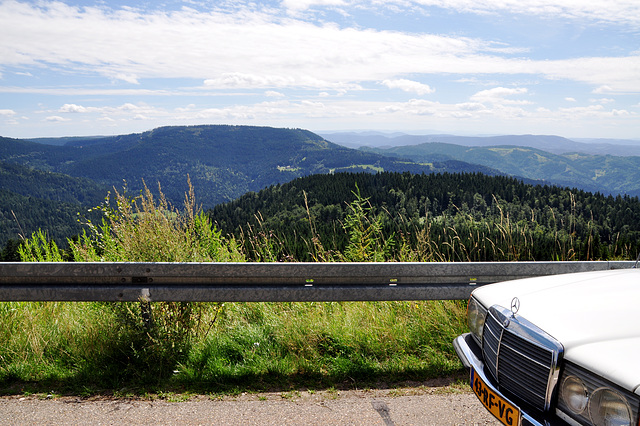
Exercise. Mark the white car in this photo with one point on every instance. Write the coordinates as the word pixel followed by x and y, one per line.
pixel 557 349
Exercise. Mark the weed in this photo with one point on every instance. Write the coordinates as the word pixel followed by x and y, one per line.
pixel 332 393
pixel 293 394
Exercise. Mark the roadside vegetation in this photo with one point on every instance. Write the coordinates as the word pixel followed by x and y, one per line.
pixel 139 348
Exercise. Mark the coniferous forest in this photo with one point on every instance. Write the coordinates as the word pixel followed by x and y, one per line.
pixel 421 217
pixel 447 217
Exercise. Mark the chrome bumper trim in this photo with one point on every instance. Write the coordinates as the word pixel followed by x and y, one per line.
pixel 470 355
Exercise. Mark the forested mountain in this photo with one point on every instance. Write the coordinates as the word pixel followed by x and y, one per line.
pixel 476 216
pixel 597 173
pixel 45 184
pixel 223 162
pixel 33 199
pixel 20 216
pixel 50 186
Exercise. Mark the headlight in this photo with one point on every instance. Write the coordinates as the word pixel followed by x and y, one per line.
pixel 574 393
pixel 476 314
pixel 589 398
pixel 608 407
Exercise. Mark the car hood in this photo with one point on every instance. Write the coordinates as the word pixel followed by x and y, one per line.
pixel 595 315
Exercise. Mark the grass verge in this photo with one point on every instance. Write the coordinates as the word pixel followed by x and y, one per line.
pixel 74 348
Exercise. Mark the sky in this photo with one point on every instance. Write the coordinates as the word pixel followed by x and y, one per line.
pixel 468 67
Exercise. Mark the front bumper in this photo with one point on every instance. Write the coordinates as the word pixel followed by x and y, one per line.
pixel 471 356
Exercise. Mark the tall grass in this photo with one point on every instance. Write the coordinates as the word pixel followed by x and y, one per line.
pixel 211 347
pixel 141 342
pixel 41 340
pixel 321 344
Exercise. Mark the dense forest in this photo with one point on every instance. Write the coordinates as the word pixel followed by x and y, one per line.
pixel 462 217
pixel 32 199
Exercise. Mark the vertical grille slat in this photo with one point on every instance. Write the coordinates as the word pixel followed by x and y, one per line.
pixel 521 358
pixel 491 335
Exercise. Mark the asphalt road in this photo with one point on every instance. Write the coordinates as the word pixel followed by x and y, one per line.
pixel 420 405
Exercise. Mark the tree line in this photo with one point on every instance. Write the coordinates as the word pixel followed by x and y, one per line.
pixel 466 216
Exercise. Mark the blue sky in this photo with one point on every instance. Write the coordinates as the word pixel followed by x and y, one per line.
pixel 564 67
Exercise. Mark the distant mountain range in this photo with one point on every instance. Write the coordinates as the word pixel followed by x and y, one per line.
pixel 51 179
pixel 606 174
pixel 552 144
pixel 223 163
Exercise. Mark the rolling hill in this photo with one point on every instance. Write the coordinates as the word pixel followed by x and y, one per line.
pixel 449 208
pixel 596 173
pixel 222 162
pixel 46 184
pixel 549 143
pixel 31 199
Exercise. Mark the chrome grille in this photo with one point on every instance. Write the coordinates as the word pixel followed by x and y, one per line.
pixel 522 359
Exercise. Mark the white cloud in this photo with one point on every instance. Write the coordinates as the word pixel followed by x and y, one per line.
pixel 188 108
pixel 127 111
pixel 241 80
pixel 224 55
pixel 620 112
pixel 129 107
pixel 55 118
pixel 129 78
pixel 409 86
pixel 75 91
pixel 498 95
pixel 297 5
pixel 73 108
pixel 608 74
pixel 626 12
pixel 238 80
pixel 471 106
pixel 603 89
pixel 274 94
pixel 312 104
pixel 591 110
pixel 225 50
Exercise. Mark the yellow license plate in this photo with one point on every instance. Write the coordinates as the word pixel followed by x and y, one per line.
pixel 504 411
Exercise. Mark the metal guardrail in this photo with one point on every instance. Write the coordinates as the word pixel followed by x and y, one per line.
pixel 266 282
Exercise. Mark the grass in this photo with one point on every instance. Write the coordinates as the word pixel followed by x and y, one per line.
pixel 74 348
pixel 320 344
pixel 172 350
